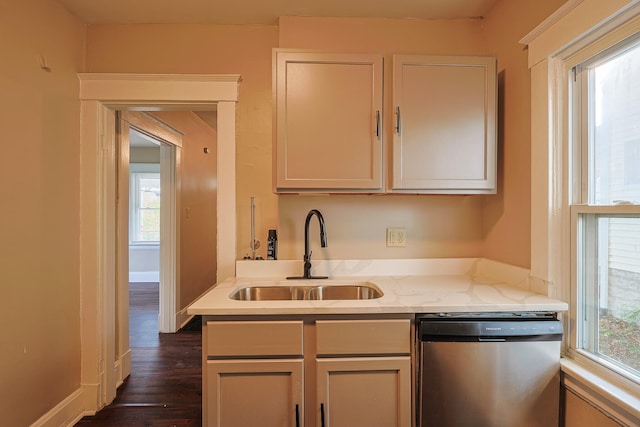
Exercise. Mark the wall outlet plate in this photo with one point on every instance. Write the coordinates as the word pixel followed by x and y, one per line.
pixel 396 237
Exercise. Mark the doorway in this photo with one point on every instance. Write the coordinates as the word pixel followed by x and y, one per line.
pixel 101 95
pixel 144 207
pixel 179 147
pixel 144 144
pixel 144 204
pixel 147 159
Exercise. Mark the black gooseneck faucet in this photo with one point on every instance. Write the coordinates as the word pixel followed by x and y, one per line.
pixel 307 251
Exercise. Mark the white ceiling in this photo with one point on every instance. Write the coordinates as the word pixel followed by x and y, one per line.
pixel 266 12
pixel 139 139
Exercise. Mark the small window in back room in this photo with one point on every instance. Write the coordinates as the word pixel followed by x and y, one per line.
pixel 144 205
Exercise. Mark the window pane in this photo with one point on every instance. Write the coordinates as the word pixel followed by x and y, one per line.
pixel 611 291
pixel 615 149
pixel 145 204
pixel 149 225
pixel 150 193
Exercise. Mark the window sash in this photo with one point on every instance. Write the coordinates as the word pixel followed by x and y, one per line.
pixel 590 266
pixel 135 208
pixel 591 269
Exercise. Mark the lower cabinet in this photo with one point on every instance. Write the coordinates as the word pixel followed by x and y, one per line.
pixel 363 372
pixel 310 372
pixel 364 391
pixel 255 392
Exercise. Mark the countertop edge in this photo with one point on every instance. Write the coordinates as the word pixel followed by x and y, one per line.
pixel 467 285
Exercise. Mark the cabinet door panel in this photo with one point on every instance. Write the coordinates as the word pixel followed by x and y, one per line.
pixel 249 393
pixel 444 136
pixel 365 392
pixel 328 124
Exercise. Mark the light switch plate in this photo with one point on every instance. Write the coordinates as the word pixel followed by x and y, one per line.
pixel 396 237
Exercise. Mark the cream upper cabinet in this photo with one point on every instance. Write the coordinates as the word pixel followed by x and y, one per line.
pixel 327 122
pixel 444 124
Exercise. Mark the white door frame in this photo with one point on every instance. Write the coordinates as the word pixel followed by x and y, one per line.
pixel 100 96
pixel 169 233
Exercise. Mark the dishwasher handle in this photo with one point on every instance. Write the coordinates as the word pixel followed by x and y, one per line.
pixel 474 331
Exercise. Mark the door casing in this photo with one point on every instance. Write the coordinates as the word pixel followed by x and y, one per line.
pixel 101 95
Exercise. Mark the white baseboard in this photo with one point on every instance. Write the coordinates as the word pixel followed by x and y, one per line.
pixel 66 413
pixel 123 367
pixel 144 276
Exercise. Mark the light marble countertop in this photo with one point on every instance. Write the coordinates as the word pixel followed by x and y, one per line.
pixel 408 286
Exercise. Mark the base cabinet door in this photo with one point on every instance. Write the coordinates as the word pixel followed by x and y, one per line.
pixel 364 392
pixel 249 393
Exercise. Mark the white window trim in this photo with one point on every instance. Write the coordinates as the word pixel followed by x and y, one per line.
pixel 568 39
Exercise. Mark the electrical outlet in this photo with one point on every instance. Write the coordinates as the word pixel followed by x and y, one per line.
pixel 396 237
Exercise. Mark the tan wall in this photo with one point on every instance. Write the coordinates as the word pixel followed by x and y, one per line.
pixel 507 215
pixel 437 226
pixel 210 49
pixel 580 413
pixel 450 37
pixel 198 187
pixel 39 218
pixel 497 227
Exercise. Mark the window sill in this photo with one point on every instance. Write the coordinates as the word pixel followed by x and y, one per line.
pixel 618 401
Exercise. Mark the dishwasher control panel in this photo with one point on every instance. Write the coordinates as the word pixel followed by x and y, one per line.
pixel 538 327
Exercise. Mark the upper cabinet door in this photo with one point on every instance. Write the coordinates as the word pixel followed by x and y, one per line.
pixel 328 122
pixel 444 135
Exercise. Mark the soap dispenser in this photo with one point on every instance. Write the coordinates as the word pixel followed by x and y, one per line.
pixel 272 245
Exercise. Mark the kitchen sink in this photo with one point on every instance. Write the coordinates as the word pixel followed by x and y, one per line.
pixel 269 293
pixel 340 292
pixel 336 291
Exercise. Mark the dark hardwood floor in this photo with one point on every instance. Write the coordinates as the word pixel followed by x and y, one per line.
pixel 164 388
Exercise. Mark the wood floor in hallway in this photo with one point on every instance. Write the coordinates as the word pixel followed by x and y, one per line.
pixel 164 388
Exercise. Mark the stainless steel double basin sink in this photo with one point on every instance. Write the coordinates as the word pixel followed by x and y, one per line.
pixel 283 291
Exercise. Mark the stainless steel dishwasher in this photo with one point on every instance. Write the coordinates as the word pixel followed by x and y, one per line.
pixel 489 369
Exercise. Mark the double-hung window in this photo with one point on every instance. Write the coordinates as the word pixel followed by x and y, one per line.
pixel 144 203
pixel 605 206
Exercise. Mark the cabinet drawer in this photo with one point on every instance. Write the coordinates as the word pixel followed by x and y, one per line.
pixel 278 338
pixel 334 337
